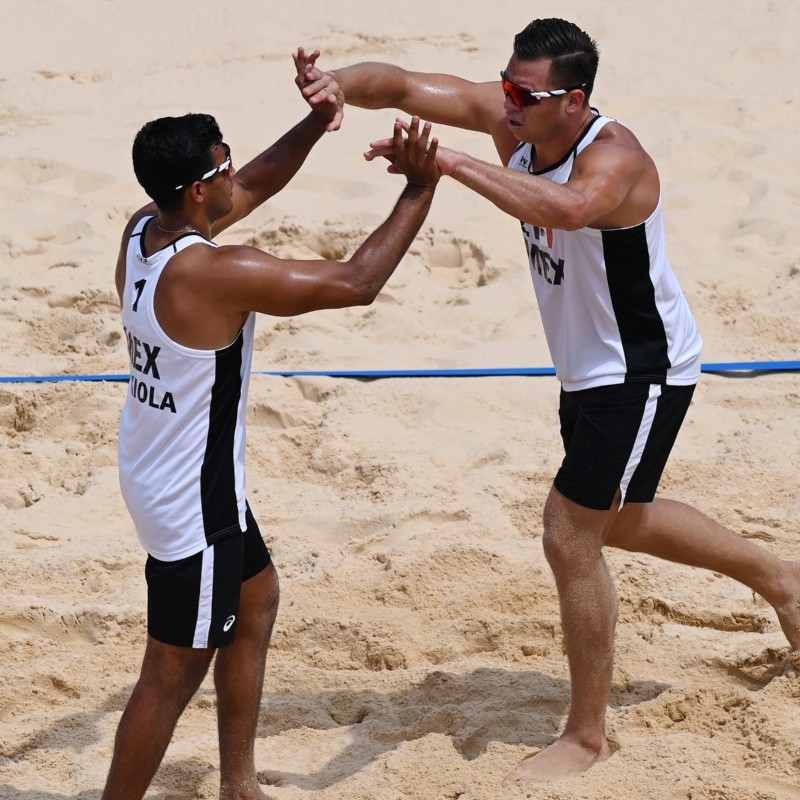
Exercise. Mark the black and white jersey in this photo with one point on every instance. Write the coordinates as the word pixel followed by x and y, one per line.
pixel 611 306
pixel 182 431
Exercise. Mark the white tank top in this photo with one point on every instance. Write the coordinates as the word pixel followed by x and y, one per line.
pixel 611 306
pixel 182 432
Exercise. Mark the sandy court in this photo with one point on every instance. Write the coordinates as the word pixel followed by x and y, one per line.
pixel 417 652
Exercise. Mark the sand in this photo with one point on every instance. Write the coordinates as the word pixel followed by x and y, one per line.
pixel 417 652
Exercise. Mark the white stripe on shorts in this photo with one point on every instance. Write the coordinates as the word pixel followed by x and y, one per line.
pixel 203 627
pixel 641 439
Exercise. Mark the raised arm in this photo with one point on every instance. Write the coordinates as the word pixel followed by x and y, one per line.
pixel 438 97
pixel 224 284
pixel 268 173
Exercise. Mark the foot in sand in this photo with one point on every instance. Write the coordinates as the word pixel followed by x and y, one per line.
pixel 563 759
pixel 244 793
pixel 788 611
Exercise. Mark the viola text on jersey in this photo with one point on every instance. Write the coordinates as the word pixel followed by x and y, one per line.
pixel 144 359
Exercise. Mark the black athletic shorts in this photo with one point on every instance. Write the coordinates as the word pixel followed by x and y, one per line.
pixel 194 602
pixel 618 438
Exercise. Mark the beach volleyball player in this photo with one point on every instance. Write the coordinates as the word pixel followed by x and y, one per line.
pixel 188 312
pixel 620 332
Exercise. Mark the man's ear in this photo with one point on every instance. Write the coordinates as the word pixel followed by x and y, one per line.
pixel 196 193
pixel 576 100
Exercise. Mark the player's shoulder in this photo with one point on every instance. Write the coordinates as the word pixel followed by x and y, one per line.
pixel 615 133
pixel 224 262
pixel 614 146
pixel 146 211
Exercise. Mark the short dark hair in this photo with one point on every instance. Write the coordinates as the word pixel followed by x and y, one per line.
pixel 171 151
pixel 573 52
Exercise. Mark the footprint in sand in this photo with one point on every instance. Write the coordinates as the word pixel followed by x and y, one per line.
pixel 16 413
pixel 457 263
pixel 756 671
pixel 287 240
pixel 62 323
pixel 450 260
pixel 343 644
pixel 751 621
pixel 64 624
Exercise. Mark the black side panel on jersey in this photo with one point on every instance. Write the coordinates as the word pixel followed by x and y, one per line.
pixel 217 475
pixel 641 329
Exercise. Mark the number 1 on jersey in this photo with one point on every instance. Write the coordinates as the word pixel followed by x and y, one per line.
pixel 139 286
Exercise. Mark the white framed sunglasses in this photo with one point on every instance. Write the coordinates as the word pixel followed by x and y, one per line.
pixel 223 167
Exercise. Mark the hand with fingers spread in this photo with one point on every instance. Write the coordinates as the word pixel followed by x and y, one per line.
pixel 411 152
pixel 319 89
pixel 387 148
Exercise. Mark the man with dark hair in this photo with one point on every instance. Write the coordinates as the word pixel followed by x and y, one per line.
pixel 167 149
pixel 621 335
pixel 187 309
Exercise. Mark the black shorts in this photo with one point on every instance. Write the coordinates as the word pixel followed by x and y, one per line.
pixel 194 602
pixel 618 438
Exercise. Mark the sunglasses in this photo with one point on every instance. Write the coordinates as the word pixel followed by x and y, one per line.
pixel 223 167
pixel 525 97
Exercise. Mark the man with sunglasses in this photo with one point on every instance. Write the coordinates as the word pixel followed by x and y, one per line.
pixel 188 313
pixel 622 338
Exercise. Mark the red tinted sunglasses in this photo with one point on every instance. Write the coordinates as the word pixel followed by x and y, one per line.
pixel 525 97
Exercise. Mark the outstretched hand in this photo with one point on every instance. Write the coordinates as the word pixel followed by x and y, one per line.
pixel 319 89
pixel 410 152
pixel 395 149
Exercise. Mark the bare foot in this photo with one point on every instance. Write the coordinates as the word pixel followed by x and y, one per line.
pixel 252 791
pixel 789 612
pixel 563 759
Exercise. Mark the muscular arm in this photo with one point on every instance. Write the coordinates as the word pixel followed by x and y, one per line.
pixel 614 183
pixel 255 281
pixel 440 98
pixel 221 286
pixel 598 193
pixel 446 99
pixel 250 279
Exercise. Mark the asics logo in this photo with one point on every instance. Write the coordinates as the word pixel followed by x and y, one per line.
pixel 229 622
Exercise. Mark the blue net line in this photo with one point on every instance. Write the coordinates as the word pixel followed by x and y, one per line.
pixel 741 368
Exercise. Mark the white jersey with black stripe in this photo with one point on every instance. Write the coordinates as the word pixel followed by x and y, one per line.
pixel 182 430
pixel 611 306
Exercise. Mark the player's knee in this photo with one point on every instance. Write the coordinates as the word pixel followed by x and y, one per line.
pixel 569 537
pixel 558 540
pixel 558 548
pixel 174 674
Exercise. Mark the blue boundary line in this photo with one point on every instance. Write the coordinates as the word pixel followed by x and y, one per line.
pixel 723 367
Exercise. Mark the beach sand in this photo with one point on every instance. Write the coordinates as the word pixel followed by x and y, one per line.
pixel 417 652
